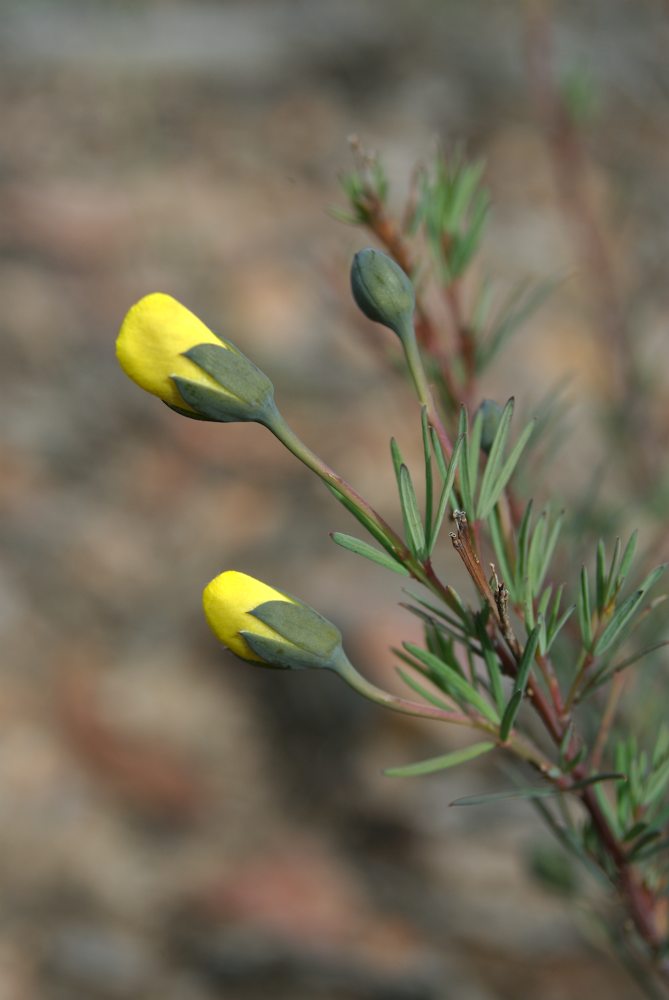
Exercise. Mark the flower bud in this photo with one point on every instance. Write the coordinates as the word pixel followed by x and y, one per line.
pixel 382 290
pixel 169 352
pixel 265 626
pixel 490 413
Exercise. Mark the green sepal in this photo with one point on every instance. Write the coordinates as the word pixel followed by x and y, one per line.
pixel 247 392
pixel 212 404
pixel 382 291
pixel 188 413
pixel 309 633
pixel 283 655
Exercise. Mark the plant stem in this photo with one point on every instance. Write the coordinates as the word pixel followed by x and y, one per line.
pixel 287 436
pixel 423 391
pixel 347 672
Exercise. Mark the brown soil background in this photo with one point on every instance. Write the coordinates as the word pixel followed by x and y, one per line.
pixel 174 824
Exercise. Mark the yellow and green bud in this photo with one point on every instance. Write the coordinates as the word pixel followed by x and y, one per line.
pixel 266 626
pixel 382 290
pixel 169 352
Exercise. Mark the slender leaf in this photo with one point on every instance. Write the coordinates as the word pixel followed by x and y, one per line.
pixel 649 852
pixel 607 671
pixel 506 472
pixel 495 526
pixel 467 480
pixel 440 763
pixel 448 480
pixel 624 614
pixel 549 549
pixel 524 667
pixel 537 792
pixel 364 520
pixel 424 693
pixel 438 453
pixel 584 613
pixel 429 488
pixel 396 456
pixel 626 560
pixel 455 681
pixel 368 552
pixel 600 576
pixel 413 526
pixel 495 461
pixel 522 302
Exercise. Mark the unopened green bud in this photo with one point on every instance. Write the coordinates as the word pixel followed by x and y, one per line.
pixel 490 412
pixel 382 290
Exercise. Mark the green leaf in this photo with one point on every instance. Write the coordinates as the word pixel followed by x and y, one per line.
pixel 549 549
pixel 439 618
pixel 467 474
pixel 650 851
pixel 584 613
pixel 524 667
pixel 448 480
pixel 364 520
pixel 492 664
pixel 424 693
pixel 554 630
pixel 657 784
pixel 610 583
pixel 429 488
pixel 519 306
pixel 626 560
pixel 438 453
pixel 507 471
pixel 495 526
pixel 457 683
pixel 606 672
pixel 398 461
pixel 624 614
pixel 537 792
pixel 413 526
pixel 600 576
pixel 368 552
pixel 495 458
pixel 522 550
pixel 440 763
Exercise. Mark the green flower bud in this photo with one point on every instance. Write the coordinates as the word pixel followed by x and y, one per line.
pixel 382 290
pixel 490 413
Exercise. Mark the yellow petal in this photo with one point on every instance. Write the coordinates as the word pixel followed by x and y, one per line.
pixel 227 601
pixel 154 334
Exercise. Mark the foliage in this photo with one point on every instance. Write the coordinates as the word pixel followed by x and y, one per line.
pixel 533 663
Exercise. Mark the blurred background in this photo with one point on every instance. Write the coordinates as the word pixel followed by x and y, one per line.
pixel 173 823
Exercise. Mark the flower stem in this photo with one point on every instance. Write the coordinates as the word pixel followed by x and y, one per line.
pixel 423 391
pixel 287 436
pixel 396 703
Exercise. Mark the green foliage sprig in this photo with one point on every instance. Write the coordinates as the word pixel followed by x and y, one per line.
pixel 532 660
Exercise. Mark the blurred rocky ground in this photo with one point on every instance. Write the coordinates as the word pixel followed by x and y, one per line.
pixel 174 824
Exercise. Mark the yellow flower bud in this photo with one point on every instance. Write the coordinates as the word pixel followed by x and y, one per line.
pixel 227 601
pixel 264 625
pixel 169 352
pixel 155 334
